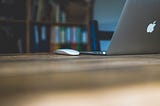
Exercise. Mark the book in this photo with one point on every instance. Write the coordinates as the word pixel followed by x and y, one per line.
pixel 78 38
pixel 55 38
pixel 57 11
pixel 93 27
pixel 40 10
pixel 39 38
pixel 84 39
pixel 62 37
pixel 73 38
pixel 69 37
pixel 63 17
pixel 34 9
pixel 52 11
pixel 34 39
pixel 44 47
pixel 20 46
pixel 60 15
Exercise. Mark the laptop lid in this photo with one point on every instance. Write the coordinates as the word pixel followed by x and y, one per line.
pixel 138 29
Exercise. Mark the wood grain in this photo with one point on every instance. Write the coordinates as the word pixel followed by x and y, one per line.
pixel 22 75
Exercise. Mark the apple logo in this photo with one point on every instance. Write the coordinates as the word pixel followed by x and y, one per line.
pixel 151 26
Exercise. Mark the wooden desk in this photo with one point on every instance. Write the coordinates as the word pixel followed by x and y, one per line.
pixel 56 80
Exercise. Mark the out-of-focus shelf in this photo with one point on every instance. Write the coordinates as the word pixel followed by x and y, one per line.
pixel 42 22
pixel 58 24
pixel 12 21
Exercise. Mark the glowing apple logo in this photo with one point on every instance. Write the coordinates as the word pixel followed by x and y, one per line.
pixel 151 26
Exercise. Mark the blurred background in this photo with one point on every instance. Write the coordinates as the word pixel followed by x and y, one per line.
pixel 34 26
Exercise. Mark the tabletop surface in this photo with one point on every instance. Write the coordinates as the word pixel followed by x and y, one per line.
pixel 57 78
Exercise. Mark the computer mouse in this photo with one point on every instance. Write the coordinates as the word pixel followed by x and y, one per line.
pixel 67 52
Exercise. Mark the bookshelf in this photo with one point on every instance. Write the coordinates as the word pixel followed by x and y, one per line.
pixel 45 25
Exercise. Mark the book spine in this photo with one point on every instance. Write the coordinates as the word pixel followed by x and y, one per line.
pixel 63 37
pixel 78 38
pixel 35 39
pixel 84 40
pixel 63 17
pixel 57 13
pixel 93 35
pixel 55 38
pixel 33 10
pixel 53 11
pixel 20 47
pixel 73 38
pixel 43 39
pixel 68 37
pixel 40 11
pixel 52 34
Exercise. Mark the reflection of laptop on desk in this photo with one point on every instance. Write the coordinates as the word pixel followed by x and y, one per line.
pixel 138 30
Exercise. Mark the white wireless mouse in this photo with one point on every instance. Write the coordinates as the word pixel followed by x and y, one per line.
pixel 67 52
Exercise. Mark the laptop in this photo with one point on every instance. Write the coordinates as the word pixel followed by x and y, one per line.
pixel 138 30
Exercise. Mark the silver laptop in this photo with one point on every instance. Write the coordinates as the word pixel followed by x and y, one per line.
pixel 138 29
